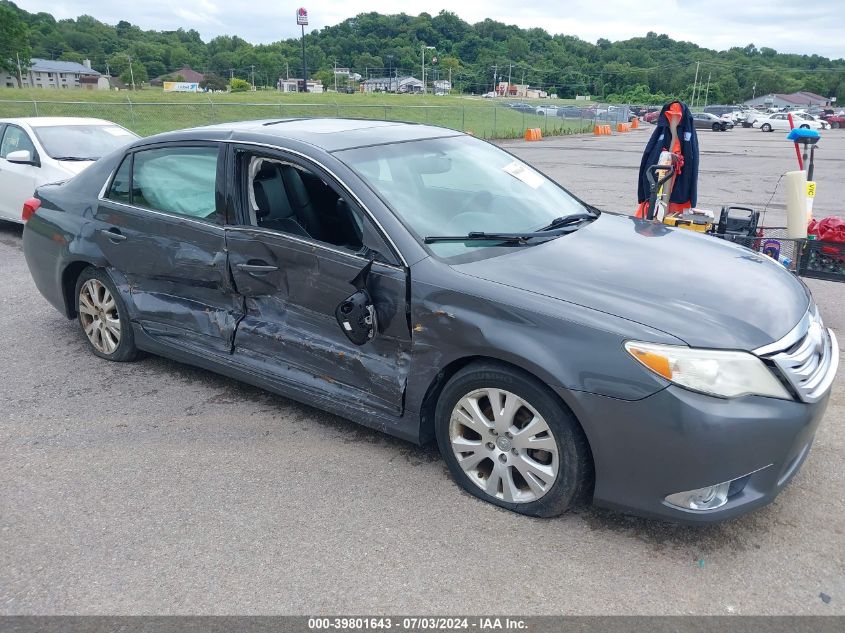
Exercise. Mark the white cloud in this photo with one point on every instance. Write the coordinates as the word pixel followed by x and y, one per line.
pixel 784 25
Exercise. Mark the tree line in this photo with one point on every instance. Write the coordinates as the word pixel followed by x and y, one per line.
pixel 642 69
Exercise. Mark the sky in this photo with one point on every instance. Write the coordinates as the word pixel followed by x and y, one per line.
pixel 788 26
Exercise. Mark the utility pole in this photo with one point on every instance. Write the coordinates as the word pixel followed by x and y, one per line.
pixel 252 74
pixel 335 75
pixel 450 79
pixel 131 72
pixel 231 73
pixel 753 91
pixel 422 51
pixel 510 68
pixel 707 90
pixel 304 67
pixel 495 78
pixel 287 70
pixel 108 72
pixel 694 83
pixel 20 75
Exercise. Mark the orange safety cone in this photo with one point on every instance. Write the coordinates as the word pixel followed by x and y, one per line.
pixel 598 131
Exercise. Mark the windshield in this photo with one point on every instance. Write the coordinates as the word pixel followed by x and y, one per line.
pixel 82 142
pixel 459 185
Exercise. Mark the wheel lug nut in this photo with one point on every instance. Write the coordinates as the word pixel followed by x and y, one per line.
pixel 503 458
pixel 493 432
pixel 490 445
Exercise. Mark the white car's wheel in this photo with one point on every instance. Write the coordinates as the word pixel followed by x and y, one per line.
pixel 766 127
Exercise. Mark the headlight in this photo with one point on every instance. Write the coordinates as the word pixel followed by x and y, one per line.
pixel 716 372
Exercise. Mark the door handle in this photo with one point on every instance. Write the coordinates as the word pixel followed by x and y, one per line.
pixel 113 234
pixel 257 268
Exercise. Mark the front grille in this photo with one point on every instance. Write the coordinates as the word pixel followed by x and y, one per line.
pixel 808 358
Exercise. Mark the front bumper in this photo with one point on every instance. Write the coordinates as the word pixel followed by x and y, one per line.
pixel 677 440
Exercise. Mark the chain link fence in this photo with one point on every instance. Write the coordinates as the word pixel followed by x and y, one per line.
pixel 500 119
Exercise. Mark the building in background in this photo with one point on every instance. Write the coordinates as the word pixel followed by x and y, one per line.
pixel 292 85
pixel 392 84
pixel 792 100
pixel 442 86
pixel 47 73
pixel 186 73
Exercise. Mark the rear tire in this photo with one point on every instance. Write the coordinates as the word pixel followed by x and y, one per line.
pixel 805 127
pixel 716 127
pixel 766 127
pixel 102 317
pixel 523 450
pixel 835 125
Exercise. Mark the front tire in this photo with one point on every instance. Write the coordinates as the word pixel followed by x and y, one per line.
pixel 509 441
pixel 716 127
pixel 103 317
pixel 805 127
pixel 766 127
pixel 835 125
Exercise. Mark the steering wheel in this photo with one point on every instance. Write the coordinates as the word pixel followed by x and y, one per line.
pixel 474 207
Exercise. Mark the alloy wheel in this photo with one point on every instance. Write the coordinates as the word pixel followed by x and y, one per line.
pixel 99 317
pixel 504 445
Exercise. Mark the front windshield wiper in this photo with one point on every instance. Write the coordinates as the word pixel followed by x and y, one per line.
pixel 514 238
pixel 75 157
pixel 568 219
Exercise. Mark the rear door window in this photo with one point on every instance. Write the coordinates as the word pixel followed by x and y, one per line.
pixel 178 180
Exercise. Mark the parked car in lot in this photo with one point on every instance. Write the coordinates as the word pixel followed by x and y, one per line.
pixel 430 285
pixel 573 112
pixel 780 121
pixel 836 120
pixel 546 110
pixel 708 121
pixel 520 107
pixel 34 151
pixel 722 111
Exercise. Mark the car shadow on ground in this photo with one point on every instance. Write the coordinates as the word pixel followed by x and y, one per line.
pixel 11 233
pixel 699 540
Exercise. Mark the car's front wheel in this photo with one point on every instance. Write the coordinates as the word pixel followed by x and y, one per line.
pixel 766 127
pixel 506 439
pixel 835 125
pixel 102 317
pixel 716 127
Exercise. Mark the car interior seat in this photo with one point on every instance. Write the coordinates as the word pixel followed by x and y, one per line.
pixel 274 208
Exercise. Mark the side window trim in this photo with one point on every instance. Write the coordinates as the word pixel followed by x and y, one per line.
pixel 241 213
pixel 219 184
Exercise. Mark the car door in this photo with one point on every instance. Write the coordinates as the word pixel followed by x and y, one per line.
pixel 294 271
pixel 17 180
pixel 161 226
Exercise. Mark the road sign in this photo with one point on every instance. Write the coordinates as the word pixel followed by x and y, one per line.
pixel 302 16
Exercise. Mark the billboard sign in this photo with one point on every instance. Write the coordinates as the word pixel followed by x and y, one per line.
pixel 302 16
pixel 181 86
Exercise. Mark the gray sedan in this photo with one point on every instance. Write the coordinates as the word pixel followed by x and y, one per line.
pixel 431 285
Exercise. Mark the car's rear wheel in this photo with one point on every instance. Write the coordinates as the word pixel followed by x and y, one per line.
pixel 766 127
pixel 507 440
pixel 835 125
pixel 102 317
pixel 805 127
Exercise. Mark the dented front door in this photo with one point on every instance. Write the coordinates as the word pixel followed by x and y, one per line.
pixel 291 290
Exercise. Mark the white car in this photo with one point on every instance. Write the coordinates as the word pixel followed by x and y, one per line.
pixel 39 150
pixel 780 121
pixel 547 110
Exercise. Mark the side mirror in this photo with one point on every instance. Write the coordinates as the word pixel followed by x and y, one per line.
pixel 22 157
pixel 357 317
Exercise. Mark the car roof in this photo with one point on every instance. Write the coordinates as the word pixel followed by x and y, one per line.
pixel 329 134
pixel 52 121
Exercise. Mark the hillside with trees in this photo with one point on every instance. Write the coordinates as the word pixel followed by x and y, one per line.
pixel 642 69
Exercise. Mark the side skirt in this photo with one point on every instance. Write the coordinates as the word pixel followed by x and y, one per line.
pixel 406 427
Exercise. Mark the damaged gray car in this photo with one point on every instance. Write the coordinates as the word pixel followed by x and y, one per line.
pixel 431 285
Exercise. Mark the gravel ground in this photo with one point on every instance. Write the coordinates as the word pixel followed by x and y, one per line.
pixel 154 487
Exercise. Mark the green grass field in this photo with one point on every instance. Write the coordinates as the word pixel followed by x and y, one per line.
pixel 150 111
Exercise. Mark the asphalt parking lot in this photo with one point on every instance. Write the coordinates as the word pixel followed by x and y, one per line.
pixel 158 488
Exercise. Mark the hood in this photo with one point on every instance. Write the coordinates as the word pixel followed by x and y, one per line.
pixel 700 289
pixel 73 167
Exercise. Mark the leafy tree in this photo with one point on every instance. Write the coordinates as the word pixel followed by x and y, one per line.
pixel 13 40
pixel 239 85
pixel 213 82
